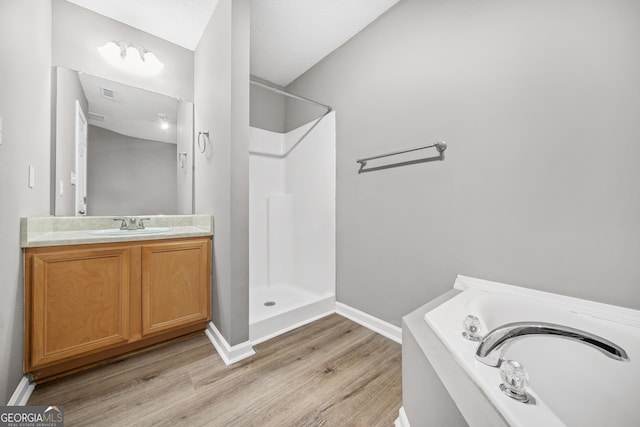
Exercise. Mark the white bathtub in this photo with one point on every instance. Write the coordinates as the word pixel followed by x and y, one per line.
pixel 571 384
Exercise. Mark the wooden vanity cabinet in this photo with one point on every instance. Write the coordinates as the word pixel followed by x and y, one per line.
pixel 85 304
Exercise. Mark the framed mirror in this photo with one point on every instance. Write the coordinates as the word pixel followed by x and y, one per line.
pixel 119 150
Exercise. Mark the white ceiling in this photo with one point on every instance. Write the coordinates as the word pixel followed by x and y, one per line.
pixel 179 21
pixel 132 111
pixel 288 37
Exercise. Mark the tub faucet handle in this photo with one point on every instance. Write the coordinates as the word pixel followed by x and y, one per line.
pixel 472 328
pixel 514 380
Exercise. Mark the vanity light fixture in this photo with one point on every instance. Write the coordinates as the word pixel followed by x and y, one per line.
pixel 130 57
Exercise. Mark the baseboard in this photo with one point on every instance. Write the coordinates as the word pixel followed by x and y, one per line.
pixel 402 420
pixel 291 328
pixel 385 329
pixel 23 391
pixel 228 354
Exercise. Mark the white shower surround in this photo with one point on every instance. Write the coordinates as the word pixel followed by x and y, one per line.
pixel 291 227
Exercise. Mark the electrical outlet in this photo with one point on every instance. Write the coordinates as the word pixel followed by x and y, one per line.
pixel 61 187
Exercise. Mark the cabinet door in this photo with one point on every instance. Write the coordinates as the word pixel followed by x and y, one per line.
pixel 80 302
pixel 175 284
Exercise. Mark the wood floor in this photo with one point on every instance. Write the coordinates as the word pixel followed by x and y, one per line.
pixel 332 372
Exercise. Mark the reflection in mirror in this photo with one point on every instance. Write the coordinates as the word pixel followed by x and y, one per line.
pixel 120 150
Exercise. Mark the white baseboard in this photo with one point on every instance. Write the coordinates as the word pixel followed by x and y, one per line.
pixel 228 354
pixel 290 328
pixel 385 329
pixel 232 354
pixel 402 420
pixel 23 391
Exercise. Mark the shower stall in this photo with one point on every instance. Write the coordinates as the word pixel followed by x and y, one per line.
pixel 292 228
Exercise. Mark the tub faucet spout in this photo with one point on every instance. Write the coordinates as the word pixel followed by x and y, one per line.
pixel 495 343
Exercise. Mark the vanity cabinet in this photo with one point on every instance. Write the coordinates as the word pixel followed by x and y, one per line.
pixel 85 304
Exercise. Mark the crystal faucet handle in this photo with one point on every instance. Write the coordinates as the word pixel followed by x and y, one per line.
pixel 472 328
pixel 515 379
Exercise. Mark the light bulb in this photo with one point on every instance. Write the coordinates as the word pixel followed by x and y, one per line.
pixel 112 52
pixel 164 123
pixel 133 60
pixel 153 65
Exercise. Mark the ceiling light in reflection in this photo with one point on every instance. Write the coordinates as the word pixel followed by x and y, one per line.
pixel 164 123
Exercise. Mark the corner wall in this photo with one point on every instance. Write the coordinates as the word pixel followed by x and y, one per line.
pixel 221 88
pixel 539 103
pixel 267 109
pixel 25 108
pixel 68 90
pixel 185 145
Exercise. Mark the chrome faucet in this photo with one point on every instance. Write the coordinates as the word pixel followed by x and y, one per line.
pixel 495 343
pixel 132 223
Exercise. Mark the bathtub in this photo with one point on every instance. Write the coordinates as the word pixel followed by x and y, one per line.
pixel 571 384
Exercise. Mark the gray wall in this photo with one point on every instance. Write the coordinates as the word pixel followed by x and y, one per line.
pixel 25 106
pixel 68 90
pixel 77 33
pixel 184 174
pixel 221 65
pixel 267 108
pixel 539 101
pixel 130 176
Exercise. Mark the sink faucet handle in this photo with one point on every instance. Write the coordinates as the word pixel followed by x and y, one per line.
pixel 123 224
pixel 141 224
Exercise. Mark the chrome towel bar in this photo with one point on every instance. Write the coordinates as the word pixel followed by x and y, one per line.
pixel 440 146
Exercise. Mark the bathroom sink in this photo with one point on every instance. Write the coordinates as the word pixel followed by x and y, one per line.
pixel 118 232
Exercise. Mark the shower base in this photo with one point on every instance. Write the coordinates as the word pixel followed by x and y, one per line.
pixel 274 310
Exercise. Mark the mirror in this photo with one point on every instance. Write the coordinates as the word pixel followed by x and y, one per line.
pixel 119 150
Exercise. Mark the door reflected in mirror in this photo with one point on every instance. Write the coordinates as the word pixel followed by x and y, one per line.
pixel 119 150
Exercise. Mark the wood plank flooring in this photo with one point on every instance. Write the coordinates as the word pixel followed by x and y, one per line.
pixel 332 372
